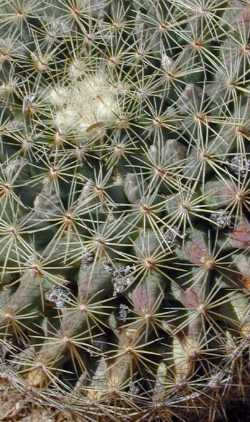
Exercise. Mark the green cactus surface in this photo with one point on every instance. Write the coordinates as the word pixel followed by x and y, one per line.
pixel 124 208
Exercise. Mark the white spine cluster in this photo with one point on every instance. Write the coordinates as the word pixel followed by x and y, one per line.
pixel 85 107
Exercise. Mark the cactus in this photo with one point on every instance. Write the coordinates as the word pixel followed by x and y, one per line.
pixel 125 206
